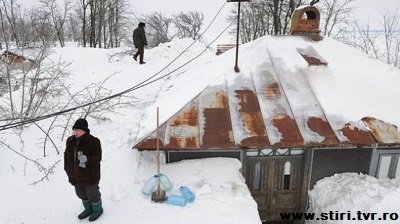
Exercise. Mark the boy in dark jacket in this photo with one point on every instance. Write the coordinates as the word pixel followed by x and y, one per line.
pixel 82 158
pixel 139 40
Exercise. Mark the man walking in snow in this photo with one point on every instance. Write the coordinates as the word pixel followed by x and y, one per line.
pixel 139 40
pixel 82 158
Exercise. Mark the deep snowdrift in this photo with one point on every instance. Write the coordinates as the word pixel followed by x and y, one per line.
pixel 221 193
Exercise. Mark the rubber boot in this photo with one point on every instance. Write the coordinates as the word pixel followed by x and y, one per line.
pixel 88 210
pixel 97 211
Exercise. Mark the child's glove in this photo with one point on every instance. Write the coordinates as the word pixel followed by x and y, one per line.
pixel 82 159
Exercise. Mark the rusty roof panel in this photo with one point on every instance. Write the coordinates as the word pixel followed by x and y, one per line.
pixel 303 103
pixel 182 143
pixel 247 119
pixel 254 142
pixel 216 127
pixel 382 132
pixel 150 143
pixel 252 119
pixel 250 111
pixel 275 109
pixel 323 128
pixel 355 136
pixel 183 129
pixel 291 136
pixel 272 90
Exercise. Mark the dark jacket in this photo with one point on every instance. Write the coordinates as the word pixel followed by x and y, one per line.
pixel 139 37
pixel 90 147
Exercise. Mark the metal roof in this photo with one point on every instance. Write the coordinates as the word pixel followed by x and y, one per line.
pixel 273 107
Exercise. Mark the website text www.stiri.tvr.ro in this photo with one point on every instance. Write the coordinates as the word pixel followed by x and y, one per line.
pixel 344 216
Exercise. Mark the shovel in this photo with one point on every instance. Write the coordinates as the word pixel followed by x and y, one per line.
pixel 159 194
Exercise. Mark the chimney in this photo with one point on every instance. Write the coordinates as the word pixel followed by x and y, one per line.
pixel 305 22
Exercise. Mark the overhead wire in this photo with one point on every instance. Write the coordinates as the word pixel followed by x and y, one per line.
pixel 142 84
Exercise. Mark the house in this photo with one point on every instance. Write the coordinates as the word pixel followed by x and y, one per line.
pixel 20 58
pixel 222 48
pixel 276 117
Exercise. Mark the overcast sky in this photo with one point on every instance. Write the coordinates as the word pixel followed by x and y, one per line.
pixel 372 10
pixel 368 11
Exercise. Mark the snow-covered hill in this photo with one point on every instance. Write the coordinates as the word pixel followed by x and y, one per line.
pixel 221 192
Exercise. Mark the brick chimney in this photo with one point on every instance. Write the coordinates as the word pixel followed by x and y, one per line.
pixel 305 22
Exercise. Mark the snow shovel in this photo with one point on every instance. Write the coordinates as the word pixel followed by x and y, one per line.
pixel 159 194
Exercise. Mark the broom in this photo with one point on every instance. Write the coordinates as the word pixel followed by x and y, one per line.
pixel 159 194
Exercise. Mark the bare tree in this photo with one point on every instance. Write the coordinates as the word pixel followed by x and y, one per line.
pixel 46 172
pixel 335 13
pixel 382 43
pixel 264 17
pixel 40 31
pixel 84 4
pixel 3 29
pixel 361 38
pixel 158 28
pixel 254 23
pixel 93 6
pixel 391 27
pixel 57 17
pixel 102 22
pixel 117 18
pixel 72 30
pixel 8 10
pixel 32 86
pixel 188 24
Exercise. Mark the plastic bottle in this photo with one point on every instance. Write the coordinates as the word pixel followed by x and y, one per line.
pixel 176 200
pixel 187 193
pixel 165 182
pixel 149 185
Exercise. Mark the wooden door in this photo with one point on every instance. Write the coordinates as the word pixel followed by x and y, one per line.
pixel 276 184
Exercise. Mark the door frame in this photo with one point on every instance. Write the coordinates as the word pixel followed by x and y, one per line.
pixel 279 155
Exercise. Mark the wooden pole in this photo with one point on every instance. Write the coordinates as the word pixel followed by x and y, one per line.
pixel 158 151
pixel 237 40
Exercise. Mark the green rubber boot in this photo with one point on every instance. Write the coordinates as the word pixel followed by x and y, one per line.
pixel 97 211
pixel 88 210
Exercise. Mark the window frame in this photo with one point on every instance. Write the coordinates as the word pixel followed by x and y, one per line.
pixel 394 166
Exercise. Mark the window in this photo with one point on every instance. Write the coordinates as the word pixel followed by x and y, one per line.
pixel 388 166
pixel 257 177
pixel 286 183
pixel 397 174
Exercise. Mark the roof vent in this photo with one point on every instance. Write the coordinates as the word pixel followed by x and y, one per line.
pixel 305 22
pixel 311 56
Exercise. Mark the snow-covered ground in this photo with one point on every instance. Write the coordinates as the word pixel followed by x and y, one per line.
pixel 355 194
pixel 221 193
pixel 220 189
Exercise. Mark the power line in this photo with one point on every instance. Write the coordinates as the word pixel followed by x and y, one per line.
pixel 142 84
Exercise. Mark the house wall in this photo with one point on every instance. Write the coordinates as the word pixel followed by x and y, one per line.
pixel 175 156
pixel 327 162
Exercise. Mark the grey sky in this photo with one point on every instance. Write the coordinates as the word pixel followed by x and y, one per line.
pixel 368 11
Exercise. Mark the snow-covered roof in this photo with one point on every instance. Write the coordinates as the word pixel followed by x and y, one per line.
pixel 290 92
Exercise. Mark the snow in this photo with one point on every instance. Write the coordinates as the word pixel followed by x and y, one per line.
pixel 221 193
pixel 351 193
pixel 220 189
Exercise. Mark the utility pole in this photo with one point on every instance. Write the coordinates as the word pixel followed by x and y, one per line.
pixel 236 68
